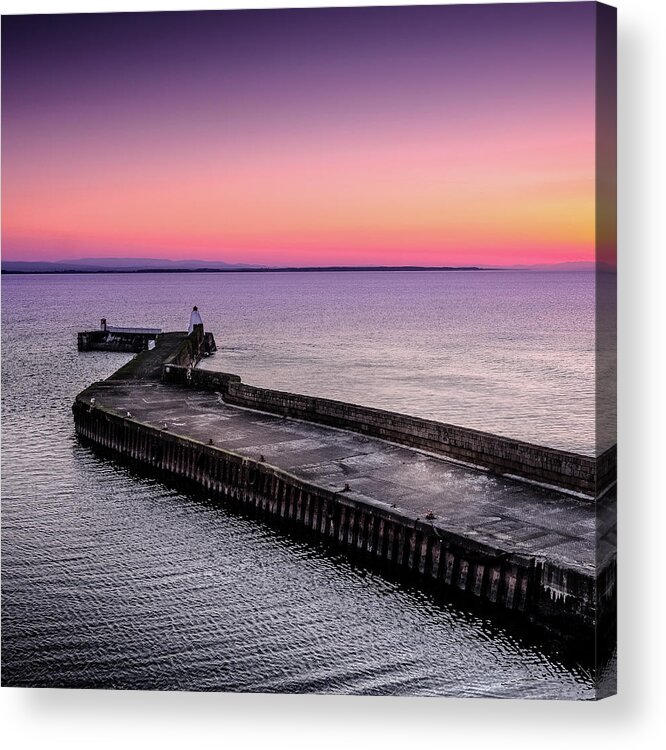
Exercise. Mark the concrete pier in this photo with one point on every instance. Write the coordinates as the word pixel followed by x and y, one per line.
pixel 451 518
pixel 117 338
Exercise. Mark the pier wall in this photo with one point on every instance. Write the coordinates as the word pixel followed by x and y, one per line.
pixel 191 349
pixel 570 471
pixel 113 341
pixel 562 599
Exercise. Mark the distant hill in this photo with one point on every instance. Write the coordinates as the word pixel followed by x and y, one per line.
pixel 160 265
pixel 154 265
pixel 100 265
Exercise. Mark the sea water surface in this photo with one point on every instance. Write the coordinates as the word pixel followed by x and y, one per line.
pixel 110 579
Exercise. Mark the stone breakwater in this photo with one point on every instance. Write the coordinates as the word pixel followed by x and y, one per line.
pixel 587 476
pixel 114 341
pixel 519 548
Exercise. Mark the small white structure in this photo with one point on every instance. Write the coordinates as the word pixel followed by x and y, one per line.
pixel 195 319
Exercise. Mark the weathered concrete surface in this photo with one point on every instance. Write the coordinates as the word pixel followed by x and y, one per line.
pixel 177 348
pixel 149 365
pixel 507 515
pixel 586 476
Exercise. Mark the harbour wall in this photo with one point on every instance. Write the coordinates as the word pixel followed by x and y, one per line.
pixel 113 341
pixel 564 600
pixel 584 475
pixel 193 347
pixel 179 348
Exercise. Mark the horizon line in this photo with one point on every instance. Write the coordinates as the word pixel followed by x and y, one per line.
pixel 582 265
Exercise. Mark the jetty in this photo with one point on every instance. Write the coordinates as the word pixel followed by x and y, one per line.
pixel 517 527
pixel 117 338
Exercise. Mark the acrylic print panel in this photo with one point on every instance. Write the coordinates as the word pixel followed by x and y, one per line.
pixel 379 456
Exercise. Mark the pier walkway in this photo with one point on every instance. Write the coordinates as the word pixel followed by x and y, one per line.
pixel 505 514
pixel 457 507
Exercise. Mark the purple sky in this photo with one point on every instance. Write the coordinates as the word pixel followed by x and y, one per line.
pixel 431 134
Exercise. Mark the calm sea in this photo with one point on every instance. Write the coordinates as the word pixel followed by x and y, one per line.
pixel 114 580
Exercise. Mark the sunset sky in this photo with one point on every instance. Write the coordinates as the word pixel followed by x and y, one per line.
pixel 443 135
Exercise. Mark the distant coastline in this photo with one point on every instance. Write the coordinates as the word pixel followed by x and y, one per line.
pixel 286 269
pixel 89 266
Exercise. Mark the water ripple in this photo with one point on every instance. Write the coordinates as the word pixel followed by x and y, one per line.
pixel 115 580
